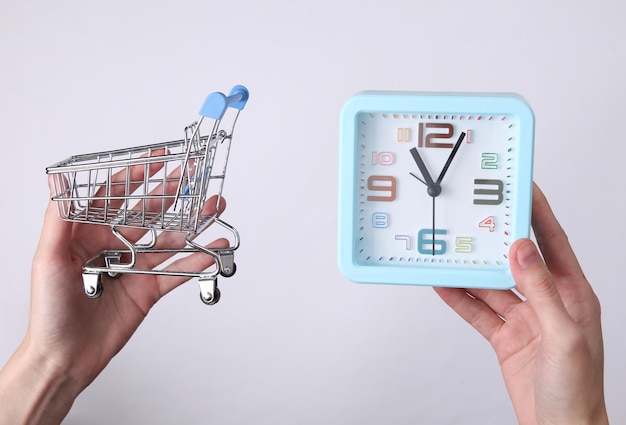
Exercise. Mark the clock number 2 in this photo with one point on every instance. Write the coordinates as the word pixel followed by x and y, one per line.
pixel 384 185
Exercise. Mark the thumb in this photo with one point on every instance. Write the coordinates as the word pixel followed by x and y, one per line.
pixel 535 283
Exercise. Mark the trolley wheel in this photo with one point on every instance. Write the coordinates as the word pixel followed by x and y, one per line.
pixel 92 285
pixel 229 271
pixel 216 297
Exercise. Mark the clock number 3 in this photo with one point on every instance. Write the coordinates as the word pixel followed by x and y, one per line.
pixel 385 186
pixel 494 195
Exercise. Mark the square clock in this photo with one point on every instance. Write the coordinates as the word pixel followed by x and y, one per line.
pixel 433 187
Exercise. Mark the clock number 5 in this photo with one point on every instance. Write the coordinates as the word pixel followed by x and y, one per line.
pixel 385 186
pixel 495 194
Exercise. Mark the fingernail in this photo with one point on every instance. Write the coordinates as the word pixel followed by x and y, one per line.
pixel 527 255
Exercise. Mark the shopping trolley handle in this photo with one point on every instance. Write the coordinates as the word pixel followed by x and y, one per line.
pixel 216 103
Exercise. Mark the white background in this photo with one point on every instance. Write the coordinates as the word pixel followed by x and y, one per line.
pixel 292 341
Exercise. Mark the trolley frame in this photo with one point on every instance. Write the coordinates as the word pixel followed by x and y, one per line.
pixel 160 187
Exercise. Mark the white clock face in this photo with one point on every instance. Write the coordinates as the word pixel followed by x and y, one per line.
pixel 435 189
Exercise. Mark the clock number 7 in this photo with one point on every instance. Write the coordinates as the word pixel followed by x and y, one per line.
pixel 386 186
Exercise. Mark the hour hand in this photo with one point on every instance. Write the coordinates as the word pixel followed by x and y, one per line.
pixel 420 164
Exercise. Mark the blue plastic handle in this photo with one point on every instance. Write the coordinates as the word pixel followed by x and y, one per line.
pixel 216 103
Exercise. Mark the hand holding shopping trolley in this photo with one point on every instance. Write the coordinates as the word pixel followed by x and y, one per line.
pixel 151 189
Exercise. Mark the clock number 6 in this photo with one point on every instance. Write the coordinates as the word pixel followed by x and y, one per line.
pixel 428 245
pixel 385 185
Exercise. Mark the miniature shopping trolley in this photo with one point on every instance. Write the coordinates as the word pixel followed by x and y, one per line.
pixel 152 189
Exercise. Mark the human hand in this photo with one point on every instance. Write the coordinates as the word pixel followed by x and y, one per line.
pixel 550 346
pixel 71 338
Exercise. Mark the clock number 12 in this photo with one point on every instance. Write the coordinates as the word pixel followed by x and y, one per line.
pixel 425 138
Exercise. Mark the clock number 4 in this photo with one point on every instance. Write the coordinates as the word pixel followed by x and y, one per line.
pixel 385 188
pixel 488 223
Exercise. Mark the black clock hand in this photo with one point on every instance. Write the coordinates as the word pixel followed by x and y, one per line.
pixel 451 157
pixel 434 189
pixel 413 174
pixel 434 215
pixel 420 164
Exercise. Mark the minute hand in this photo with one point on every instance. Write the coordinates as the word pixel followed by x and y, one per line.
pixel 451 157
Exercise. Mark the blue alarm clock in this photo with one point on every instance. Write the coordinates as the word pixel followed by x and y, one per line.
pixel 434 187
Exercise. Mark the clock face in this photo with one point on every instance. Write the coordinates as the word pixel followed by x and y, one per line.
pixel 438 188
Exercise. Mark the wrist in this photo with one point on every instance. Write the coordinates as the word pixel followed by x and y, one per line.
pixel 601 416
pixel 34 390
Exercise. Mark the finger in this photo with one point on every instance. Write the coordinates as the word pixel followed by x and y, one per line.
pixel 473 310
pixel 124 182
pixel 535 283
pixel 570 281
pixel 552 239
pixel 197 261
pixel 155 203
pixel 214 206
pixel 500 301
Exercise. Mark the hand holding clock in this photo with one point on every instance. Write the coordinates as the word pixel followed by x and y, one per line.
pixel 549 347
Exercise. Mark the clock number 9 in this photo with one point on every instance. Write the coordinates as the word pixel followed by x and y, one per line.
pixel 385 185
